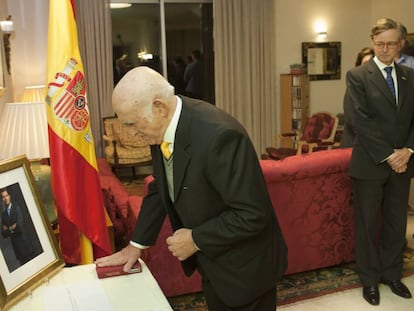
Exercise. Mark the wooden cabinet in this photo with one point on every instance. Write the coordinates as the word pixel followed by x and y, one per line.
pixel 294 105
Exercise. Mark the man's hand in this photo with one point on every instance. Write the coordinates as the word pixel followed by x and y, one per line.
pixel 128 256
pixel 399 159
pixel 181 244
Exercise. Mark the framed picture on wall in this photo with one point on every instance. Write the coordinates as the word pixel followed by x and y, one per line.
pixel 28 248
pixel 322 59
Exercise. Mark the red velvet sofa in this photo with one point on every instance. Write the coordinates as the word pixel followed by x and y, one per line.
pixel 312 198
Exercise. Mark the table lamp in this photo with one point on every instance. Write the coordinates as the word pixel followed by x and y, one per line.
pixel 34 94
pixel 23 127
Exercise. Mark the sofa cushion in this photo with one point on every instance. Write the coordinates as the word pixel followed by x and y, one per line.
pixel 117 190
pixel 167 269
pixel 134 203
pixel 109 203
pixel 147 181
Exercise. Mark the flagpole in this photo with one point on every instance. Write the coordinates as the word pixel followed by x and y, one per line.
pixel 86 250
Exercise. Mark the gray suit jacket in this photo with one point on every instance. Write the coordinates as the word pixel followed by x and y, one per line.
pixel 379 124
pixel 220 193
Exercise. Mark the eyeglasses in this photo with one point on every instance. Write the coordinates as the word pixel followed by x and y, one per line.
pixel 389 45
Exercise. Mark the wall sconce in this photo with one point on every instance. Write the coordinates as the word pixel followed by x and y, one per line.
pixel 7 28
pixel 120 5
pixel 321 29
pixel 7 25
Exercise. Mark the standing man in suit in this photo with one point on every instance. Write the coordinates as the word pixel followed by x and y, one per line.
pixel 194 76
pixel 211 186
pixel 13 227
pixel 382 115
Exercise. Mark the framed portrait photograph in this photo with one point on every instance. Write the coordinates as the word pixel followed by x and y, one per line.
pixel 29 252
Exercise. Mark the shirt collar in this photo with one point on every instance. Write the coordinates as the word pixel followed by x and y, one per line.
pixel 381 65
pixel 169 135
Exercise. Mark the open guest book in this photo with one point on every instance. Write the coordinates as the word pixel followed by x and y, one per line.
pixel 109 271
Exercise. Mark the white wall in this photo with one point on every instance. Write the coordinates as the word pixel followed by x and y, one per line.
pixel 401 10
pixel 8 92
pixel 348 21
pixel 28 43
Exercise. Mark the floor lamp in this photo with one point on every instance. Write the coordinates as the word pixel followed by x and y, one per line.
pixel 23 127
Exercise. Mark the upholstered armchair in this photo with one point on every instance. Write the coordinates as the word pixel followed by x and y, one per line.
pixel 318 134
pixel 123 149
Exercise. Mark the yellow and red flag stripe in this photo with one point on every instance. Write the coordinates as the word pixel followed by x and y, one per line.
pixel 74 173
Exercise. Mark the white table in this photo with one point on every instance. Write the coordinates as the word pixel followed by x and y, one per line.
pixel 137 291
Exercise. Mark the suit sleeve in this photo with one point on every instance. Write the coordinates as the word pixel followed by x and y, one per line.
pixel 150 218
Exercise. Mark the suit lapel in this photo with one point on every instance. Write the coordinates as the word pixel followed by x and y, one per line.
pixel 159 172
pixel 379 80
pixel 182 142
pixel 402 85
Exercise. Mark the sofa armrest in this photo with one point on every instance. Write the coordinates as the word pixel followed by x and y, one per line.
pixel 134 204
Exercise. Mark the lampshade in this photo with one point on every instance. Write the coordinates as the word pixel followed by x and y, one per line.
pixel 34 94
pixel 23 129
pixel 7 26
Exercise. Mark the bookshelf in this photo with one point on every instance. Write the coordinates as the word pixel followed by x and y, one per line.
pixel 294 105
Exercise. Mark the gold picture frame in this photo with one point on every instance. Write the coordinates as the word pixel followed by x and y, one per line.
pixel 23 269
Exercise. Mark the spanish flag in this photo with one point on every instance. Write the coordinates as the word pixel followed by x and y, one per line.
pixel 74 173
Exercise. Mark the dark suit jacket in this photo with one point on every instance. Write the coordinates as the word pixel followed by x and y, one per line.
pixel 380 125
pixel 220 193
pixel 21 246
pixel 14 218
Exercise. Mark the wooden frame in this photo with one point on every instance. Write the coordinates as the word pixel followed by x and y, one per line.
pixel 22 269
pixel 322 59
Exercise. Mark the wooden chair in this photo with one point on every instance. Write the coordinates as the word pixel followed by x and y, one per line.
pixel 123 150
pixel 318 134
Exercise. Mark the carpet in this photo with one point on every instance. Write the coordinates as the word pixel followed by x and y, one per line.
pixel 300 286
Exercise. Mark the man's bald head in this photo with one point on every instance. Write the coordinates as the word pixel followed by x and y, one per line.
pixel 137 89
pixel 145 101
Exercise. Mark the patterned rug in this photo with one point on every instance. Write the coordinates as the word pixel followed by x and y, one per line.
pixel 300 286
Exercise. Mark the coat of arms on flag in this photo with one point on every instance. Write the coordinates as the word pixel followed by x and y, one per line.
pixel 70 100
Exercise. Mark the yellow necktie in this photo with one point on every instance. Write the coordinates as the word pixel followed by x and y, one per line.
pixel 165 149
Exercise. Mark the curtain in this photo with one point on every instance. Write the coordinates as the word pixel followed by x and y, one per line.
pixel 245 70
pixel 95 43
